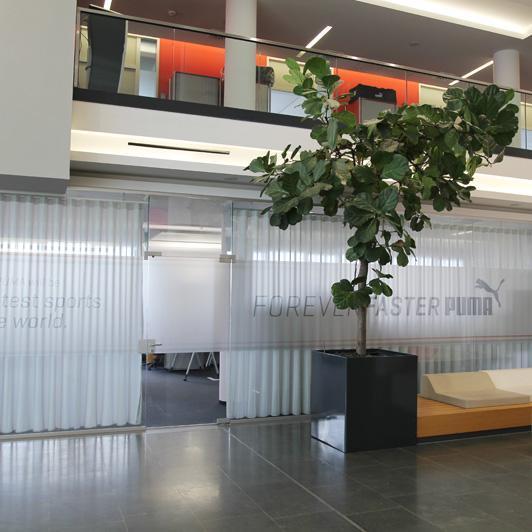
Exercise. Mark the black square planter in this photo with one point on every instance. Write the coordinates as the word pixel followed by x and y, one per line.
pixel 363 403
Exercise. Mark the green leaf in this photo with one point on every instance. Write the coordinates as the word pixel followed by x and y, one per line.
pixel 360 298
pixel 353 254
pixel 305 205
pixel 346 118
pixel 332 133
pixel 317 66
pixel 315 189
pixel 381 158
pixel 397 168
pixel 363 201
pixel 439 203
pixel 274 190
pixel 387 200
pixel 386 289
pixel 292 64
pixel 381 275
pixel 367 232
pixel 364 174
pixel 257 166
pixel 319 170
pixel 330 81
pixel 402 258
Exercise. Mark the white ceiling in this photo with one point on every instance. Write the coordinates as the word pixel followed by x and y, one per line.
pixel 446 39
pixel 507 17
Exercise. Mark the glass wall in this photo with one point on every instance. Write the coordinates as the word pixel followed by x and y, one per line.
pixel 153 60
pixel 71 313
pixel 227 307
pixel 463 305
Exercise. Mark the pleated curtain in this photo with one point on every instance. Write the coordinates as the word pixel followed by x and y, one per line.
pixel 70 313
pixel 443 308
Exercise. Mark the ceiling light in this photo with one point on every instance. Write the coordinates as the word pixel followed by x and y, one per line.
pixel 473 72
pixel 316 39
pixel 107 4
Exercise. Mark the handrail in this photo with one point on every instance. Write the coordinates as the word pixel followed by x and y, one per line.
pixel 267 42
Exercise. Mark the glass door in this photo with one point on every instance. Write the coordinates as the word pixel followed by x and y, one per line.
pixel 186 301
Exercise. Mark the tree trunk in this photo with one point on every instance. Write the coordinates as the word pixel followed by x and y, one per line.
pixel 363 311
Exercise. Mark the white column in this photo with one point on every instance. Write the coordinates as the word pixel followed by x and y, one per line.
pixel 37 64
pixel 240 57
pixel 506 73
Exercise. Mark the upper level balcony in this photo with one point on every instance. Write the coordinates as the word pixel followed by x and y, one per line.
pixel 222 99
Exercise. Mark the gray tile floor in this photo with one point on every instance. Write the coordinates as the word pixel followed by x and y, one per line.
pixel 170 400
pixel 255 478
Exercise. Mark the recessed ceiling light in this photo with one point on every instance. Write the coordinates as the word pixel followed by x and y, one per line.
pixel 172 12
pixel 316 39
pixel 107 4
pixel 472 73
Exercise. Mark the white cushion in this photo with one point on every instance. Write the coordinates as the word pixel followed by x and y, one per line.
pixel 517 380
pixel 472 389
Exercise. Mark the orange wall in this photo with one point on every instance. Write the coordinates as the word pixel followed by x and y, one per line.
pixel 177 56
pixel 200 59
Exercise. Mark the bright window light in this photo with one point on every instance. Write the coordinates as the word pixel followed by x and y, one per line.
pixel 107 4
pixel 472 73
pixel 316 39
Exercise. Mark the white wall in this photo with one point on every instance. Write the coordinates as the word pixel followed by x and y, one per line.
pixel 36 64
pixel 100 136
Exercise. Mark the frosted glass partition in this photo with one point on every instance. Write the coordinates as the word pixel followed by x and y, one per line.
pixel 70 313
pixel 464 304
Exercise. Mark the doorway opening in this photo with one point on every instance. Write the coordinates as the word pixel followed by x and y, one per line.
pixel 186 309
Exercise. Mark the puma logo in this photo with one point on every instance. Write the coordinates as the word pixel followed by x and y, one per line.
pixel 485 286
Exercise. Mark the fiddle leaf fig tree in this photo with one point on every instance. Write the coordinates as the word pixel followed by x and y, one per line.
pixel 379 176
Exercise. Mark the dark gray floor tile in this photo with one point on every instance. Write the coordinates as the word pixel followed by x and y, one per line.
pixel 259 522
pixel 426 477
pixel 430 449
pixel 284 499
pixel 119 526
pixel 394 520
pixel 350 497
pixel 443 510
pixel 485 525
pixel 217 502
pixel 313 472
pixel 520 485
pixel 164 522
pixel 469 466
pixel 394 458
pixel 507 507
pixel 158 499
pixel 326 521
pixel 253 473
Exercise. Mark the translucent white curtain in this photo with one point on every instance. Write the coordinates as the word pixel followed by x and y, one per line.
pixel 70 313
pixel 451 306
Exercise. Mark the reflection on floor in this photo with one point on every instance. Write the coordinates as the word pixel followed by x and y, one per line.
pixel 172 401
pixel 262 478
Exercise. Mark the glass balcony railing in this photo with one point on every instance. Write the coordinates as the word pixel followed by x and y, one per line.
pixel 207 69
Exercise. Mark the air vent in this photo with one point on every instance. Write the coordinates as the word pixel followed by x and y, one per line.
pixel 178 148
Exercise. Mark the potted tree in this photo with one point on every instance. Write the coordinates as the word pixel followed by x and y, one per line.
pixel 379 177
